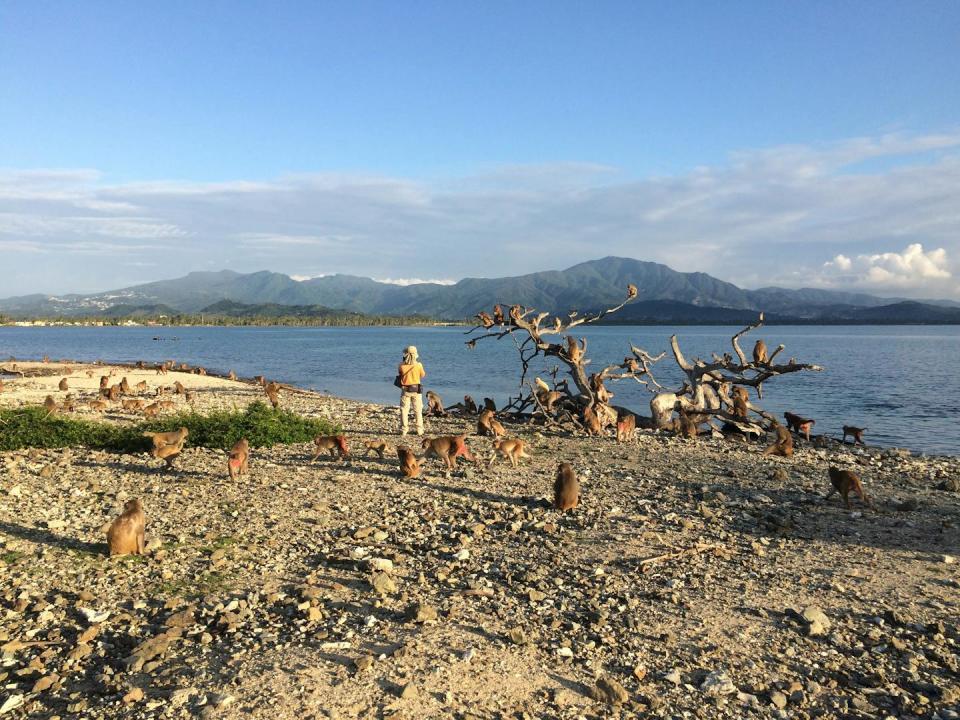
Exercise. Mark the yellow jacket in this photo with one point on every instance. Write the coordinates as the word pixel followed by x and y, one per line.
pixel 411 374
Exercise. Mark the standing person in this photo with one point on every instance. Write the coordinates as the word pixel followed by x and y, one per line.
pixel 410 373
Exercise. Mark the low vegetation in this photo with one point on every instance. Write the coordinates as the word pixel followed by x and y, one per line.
pixel 31 427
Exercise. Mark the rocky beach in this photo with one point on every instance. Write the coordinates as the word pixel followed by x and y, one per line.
pixel 697 579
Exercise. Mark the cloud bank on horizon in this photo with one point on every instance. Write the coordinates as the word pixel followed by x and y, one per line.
pixel 878 214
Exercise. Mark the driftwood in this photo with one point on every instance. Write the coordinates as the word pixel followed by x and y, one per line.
pixel 676 554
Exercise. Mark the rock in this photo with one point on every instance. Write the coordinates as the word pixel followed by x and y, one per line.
pixel 363 533
pixel 11 703
pixel 673 676
pixel 609 691
pixel 536 596
pixel 778 699
pixel 717 684
pixel 422 613
pixel 780 475
pixel 817 621
pixel 364 662
pixel 517 636
pixel 45 683
pixel 408 691
pixel 382 583
pixel 949 559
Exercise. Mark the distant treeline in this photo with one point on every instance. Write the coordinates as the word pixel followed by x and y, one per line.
pixel 346 320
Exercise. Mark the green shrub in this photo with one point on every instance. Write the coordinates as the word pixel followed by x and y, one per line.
pixel 262 426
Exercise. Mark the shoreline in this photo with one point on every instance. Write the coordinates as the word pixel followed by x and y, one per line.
pixel 824 440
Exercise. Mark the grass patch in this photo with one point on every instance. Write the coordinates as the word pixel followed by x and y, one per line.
pixel 11 556
pixel 261 425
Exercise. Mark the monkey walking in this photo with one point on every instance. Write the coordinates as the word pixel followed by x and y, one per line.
pixel 799 424
pixel 448 448
pixel 512 449
pixel 854 432
pixel 566 488
pixel 237 459
pixel 125 536
pixel 333 444
pixel 845 482
pixel 378 446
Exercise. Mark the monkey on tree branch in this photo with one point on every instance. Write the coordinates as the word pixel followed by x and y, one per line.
pixel 718 389
pixel 535 335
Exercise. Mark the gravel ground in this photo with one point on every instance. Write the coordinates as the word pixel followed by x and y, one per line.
pixel 696 579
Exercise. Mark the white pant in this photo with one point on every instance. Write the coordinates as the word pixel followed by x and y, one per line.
pixel 405 400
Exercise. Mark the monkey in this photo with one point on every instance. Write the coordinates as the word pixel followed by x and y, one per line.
pixel 46 359
pixel 161 390
pixel 447 448
pixel 140 365
pixel 591 422
pixel 845 482
pixel 161 369
pixel 409 465
pixel 854 432
pixel 566 489
pixel 175 437
pixel 783 446
pixel 489 404
pixel 184 367
pixel 435 404
pixel 485 319
pixel 626 427
pixel 631 364
pixel 273 394
pixel 512 449
pixel 201 371
pixel 188 396
pixel 515 315
pixel 498 315
pixel 141 386
pixel 50 405
pixel 687 425
pixel 133 404
pixel 125 386
pixel 631 291
pixel 600 391
pixel 168 453
pixel 125 536
pixel 231 375
pixel 63 385
pixel 483 422
pixel 97 405
pixel 799 424
pixel 741 400
pixel 760 353
pixel 104 382
pixel 113 393
pixel 237 459
pixel 89 373
pixel 178 388
pixel 166 404
pixel 574 350
pixel 469 405
pixel 377 446
pixel 260 380
pixel 333 444
pixel 1 386
pixel 67 405
pixel 150 411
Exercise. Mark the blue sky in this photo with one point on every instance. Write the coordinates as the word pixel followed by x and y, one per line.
pixel 551 104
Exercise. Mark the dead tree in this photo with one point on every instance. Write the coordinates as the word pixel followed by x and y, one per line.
pixel 706 392
pixel 534 332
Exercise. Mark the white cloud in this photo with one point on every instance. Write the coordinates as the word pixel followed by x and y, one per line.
pixel 911 268
pixel 415 281
pixel 796 215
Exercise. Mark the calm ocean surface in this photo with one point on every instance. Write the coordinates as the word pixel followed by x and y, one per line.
pixel 901 382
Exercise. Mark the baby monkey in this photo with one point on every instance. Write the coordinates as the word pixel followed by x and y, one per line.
pixel 512 449
pixel 333 444
pixel 447 448
pixel 845 482
pixel 125 536
pixel 237 460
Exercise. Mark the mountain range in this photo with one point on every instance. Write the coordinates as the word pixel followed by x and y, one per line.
pixel 665 295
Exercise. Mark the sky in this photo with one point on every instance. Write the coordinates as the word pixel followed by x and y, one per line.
pixel 811 144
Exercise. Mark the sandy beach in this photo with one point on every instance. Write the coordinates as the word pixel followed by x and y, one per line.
pixel 697 579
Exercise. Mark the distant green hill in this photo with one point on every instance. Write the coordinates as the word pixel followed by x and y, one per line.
pixel 586 286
